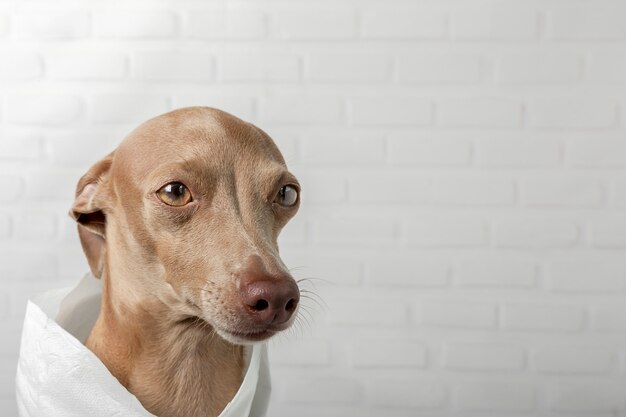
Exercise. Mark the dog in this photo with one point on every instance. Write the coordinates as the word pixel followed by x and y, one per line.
pixel 181 223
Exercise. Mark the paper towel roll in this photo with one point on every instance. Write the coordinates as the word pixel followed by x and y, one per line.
pixel 57 376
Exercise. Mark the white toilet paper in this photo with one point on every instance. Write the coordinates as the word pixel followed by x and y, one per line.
pixel 57 376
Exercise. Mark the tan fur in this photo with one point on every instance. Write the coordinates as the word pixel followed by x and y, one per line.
pixel 171 305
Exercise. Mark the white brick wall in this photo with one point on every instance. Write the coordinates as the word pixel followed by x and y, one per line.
pixel 538 68
pixel 134 24
pixel 44 109
pixel 587 398
pixel 582 23
pixel 464 172
pixel 480 112
pixel 502 397
pixel 542 317
pixel 388 111
pixel 20 66
pixel 441 68
pixel 33 24
pixel 495 23
pixel 402 394
pixel 483 357
pixel 570 359
pixel 210 23
pixel 404 23
pixel 313 23
pixel 573 113
pixel 80 64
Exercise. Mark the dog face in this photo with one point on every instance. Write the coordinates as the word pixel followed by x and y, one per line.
pixel 187 211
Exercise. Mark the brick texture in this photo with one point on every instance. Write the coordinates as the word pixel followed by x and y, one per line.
pixel 481 357
pixel 573 113
pixel 495 273
pixel 518 150
pixel 52 25
pixel 607 66
pixel 392 23
pixel 463 167
pixel 225 24
pixel 578 23
pixel 173 66
pixel 144 24
pixel 259 67
pixel 480 112
pixel 21 66
pixel 388 354
pixel 587 398
pixel 391 111
pixel 407 394
pixel 573 360
pixel 315 23
pixel 439 68
pixel 504 397
pixel 502 23
pixel 539 68
pixel 457 314
pixel 426 149
pixel 542 317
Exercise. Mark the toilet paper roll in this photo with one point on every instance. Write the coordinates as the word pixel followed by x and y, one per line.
pixel 57 376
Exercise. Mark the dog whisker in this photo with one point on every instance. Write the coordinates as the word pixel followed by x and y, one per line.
pixel 301 322
pixel 306 314
pixel 319 301
pixel 312 279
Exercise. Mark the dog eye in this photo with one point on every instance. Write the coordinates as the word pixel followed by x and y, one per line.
pixel 174 194
pixel 287 196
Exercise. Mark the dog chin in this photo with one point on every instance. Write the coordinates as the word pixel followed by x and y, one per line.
pixel 242 338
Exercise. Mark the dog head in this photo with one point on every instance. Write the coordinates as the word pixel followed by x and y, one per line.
pixel 187 210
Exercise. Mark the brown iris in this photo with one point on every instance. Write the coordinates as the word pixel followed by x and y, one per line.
pixel 174 194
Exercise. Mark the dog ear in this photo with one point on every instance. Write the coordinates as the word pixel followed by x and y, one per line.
pixel 89 212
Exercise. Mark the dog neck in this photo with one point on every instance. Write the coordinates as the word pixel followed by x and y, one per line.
pixel 175 366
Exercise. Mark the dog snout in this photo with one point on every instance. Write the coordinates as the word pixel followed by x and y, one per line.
pixel 269 300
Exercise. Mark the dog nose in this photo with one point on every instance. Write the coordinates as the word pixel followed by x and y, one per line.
pixel 271 301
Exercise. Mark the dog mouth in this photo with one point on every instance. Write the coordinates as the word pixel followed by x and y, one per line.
pixel 252 335
pixel 240 337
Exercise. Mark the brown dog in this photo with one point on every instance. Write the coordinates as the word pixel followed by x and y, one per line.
pixel 181 222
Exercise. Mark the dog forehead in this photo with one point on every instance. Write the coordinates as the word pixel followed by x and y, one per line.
pixel 198 134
